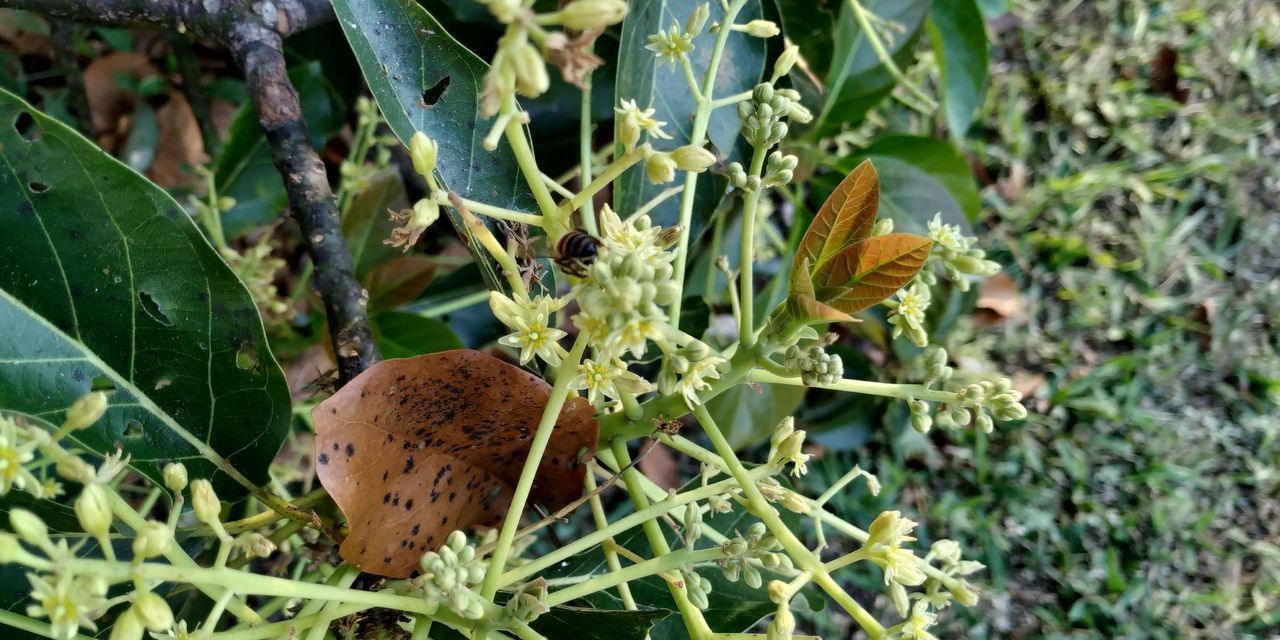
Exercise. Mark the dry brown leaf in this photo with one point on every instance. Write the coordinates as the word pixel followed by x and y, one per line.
pixel 414 449
pixel 180 146
pixel 109 103
pixel 999 296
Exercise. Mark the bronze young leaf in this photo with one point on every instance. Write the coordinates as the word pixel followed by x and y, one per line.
pixel 846 217
pixel 414 449
pixel 870 270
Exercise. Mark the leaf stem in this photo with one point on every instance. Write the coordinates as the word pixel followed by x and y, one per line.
pixel 559 393
pixel 554 223
pixel 606 177
pixel 701 120
pixel 866 387
pixel 746 257
pixel 501 213
pixel 886 58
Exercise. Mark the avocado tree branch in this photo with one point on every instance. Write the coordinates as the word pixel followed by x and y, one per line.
pixel 254 32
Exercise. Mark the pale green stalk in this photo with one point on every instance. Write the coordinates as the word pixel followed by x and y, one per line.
pixel 746 265
pixel 584 154
pixel 661 564
pixel 461 302
pixel 502 213
pixel 800 554
pixel 344 576
pixel 866 387
pixel 559 393
pixel 698 137
pixel 610 556
pixel 283 628
pixel 606 178
pixel 554 223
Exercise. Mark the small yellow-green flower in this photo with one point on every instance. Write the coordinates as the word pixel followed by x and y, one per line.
pixel 948 236
pixel 608 379
pixel 529 321
pixel 884 547
pixel 15 451
pixel 917 626
pixel 632 121
pixel 67 602
pixel 672 45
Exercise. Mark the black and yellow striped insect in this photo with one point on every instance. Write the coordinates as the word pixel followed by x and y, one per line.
pixel 575 252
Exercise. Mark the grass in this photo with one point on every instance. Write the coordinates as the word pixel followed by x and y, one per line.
pixel 1142 498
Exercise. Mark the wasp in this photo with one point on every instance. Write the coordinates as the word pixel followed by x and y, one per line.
pixel 576 251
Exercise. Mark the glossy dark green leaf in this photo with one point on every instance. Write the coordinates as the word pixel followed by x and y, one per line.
pixel 652 83
pixel 811 25
pixel 404 335
pixel 106 278
pixel 598 624
pixel 857 80
pixel 750 412
pixel 959 39
pixel 243 169
pixel 407 58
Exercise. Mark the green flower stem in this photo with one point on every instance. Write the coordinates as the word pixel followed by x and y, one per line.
pixel 866 387
pixel 555 224
pixel 694 623
pixel 839 485
pixel 283 628
pixel 485 237
pixel 422 628
pixel 731 100
pixel 38 627
pixel 586 542
pixel 175 554
pixel 461 302
pixel 803 557
pixel 663 563
pixel 694 90
pixel 746 260
pixel 501 213
pixel 585 153
pixel 342 577
pixel 606 178
pixel 610 556
pixel 846 560
pixel 618 425
pixel 873 38
pixel 698 137
pixel 559 393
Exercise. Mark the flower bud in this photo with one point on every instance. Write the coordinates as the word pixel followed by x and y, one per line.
pixel 531 71
pixel 86 410
pixel 964 593
pixel 29 527
pixel 693 158
pixel 154 539
pixel 898 596
pixel 799 113
pixel 205 501
pixel 127 626
pixel 782 66
pixel 793 502
pixel 9 548
pixel 759 28
pixel 75 469
pixel 779 593
pixel 93 509
pixel 661 168
pixel 175 476
pixel 257 545
pixel 153 612
pixel 423 152
pixel 882 226
pixel 425 212
pixel 582 15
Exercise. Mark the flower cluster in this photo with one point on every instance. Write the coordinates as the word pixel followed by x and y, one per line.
pixel 786 445
pixel 690 369
pixel 814 365
pixel 907 313
pixel 450 572
pixel 739 556
pixel 884 547
pixel 956 255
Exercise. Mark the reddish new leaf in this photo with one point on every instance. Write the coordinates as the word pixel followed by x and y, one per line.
pixel 846 217
pixel 870 270
pixel 414 449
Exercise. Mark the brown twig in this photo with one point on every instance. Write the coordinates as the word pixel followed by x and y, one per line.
pixel 254 31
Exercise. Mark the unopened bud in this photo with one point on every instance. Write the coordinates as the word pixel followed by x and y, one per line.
pixel 964 593
pixel 882 226
pixel 693 158
pixel 782 625
pixel 127 626
pixel 86 410
pixel 531 71
pixel 29 527
pixel 660 168
pixel 782 66
pixel 9 548
pixel 582 15
pixel 205 501
pixel 93 510
pixel 154 539
pixel 779 593
pixel 153 612
pixel 425 212
pixel 75 469
pixel 175 476
pixel 898 596
pixel 759 28
pixel 698 19
pixel 423 152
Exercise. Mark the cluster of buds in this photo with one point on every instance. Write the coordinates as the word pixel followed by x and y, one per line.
pixel 448 574
pixel 628 285
pixel 907 313
pixel 946 555
pixel 813 364
pixel 697 587
pixel 527 604
pixel 762 115
pixel 779 169
pixel 786 445
pixel 956 254
pixel 519 65
pixel 739 555
pixel 689 369
pixel 936 368
pixel 774 492
pixel 692 524
pixel 986 400
pixel 257 268
pixel 411 222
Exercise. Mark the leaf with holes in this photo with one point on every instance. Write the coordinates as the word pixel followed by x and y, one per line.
pixel 107 283
pixel 424 80
pixel 414 449
pixel 846 217
pixel 870 270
